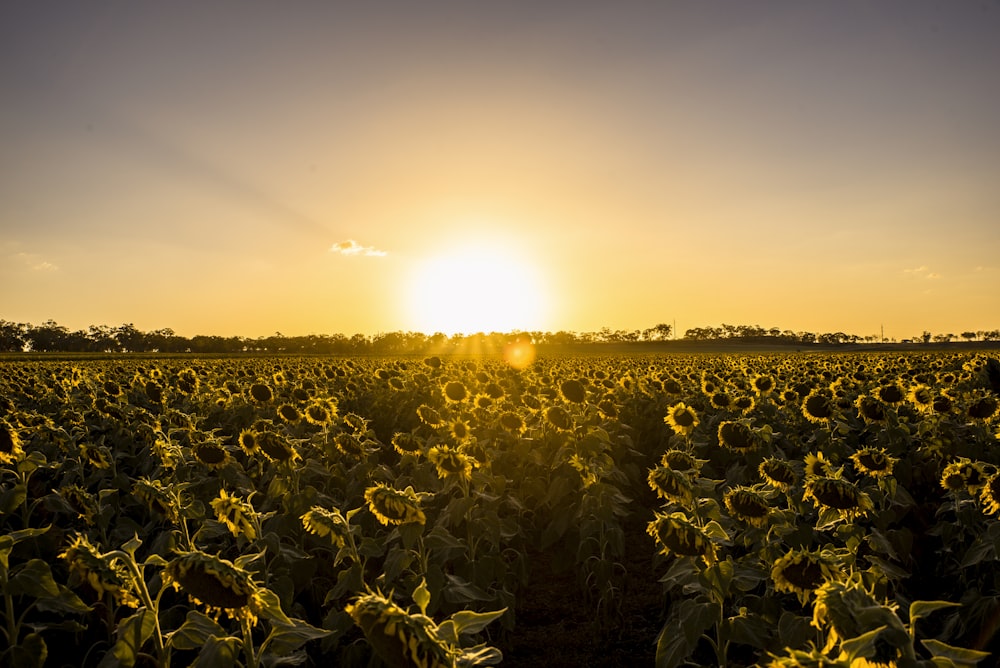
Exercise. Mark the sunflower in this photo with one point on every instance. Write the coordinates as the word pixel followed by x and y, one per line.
pixel 817 465
pixel 512 422
pixel 801 572
pixel 747 504
pixel 744 404
pixel 679 460
pixel 990 496
pixel 874 462
pixel 398 637
pixel 318 413
pixel 218 584
pixel 921 397
pixel 261 392
pixel 238 515
pixel 963 473
pixel 682 419
pixel 817 407
pixel 670 484
pixel 983 409
pixel 841 495
pixel 157 498
pixel 276 447
pixel 289 413
pixel 720 400
pixel 891 393
pixel 211 454
pixel 393 506
pixel 428 415
pixel 80 501
pixel 573 390
pixel 763 385
pixel 406 443
pixel 558 418
pixel 942 404
pixel 325 523
pixel 455 391
pixel 608 408
pixel 870 409
pixel 248 441
pixel 678 535
pixel 778 473
pixel 460 429
pixel 97 456
pixel 451 463
pixel 738 436
pixel 100 572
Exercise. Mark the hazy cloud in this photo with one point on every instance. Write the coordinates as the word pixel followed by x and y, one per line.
pixel 35 262
pixel 923 272
pixel 352 247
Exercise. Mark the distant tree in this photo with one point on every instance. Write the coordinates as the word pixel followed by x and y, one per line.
pixel 969 336
pixel 12 336
pixel 925 337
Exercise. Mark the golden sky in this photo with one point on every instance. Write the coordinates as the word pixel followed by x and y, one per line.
pixel 241 168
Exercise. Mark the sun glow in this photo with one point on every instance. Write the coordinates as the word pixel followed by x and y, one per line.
pixel 477 288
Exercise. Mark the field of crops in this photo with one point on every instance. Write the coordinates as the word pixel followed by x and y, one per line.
pixel 807 509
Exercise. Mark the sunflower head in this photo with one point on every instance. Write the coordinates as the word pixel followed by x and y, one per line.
pixel 455 391
pixel 839 494
pixel 558 417
pixel 428 415
pixel 573 390
pixel 236 514
pixel 393 506
pixel 103 574
pixel 276 447
pixel 261 392
pixel 738 436
pixel 218 584
pixel 210 453
pixel 870 409
pixel 330 524
pixel 874 462
pixel 817 465
pixel 679 460
pixel 451 463
pixel 407 443
pixel 681 418
pixel 801 572
pixel 512 422
pixel 748 504
pixel 778 473
pixel 676 534
pixel 398 637
pixel 671 484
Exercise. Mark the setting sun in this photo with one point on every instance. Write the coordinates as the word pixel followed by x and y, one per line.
pixel 476 288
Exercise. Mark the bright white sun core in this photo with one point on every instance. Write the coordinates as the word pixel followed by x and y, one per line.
pixel 476 288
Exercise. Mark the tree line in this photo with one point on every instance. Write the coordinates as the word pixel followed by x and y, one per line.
pixel 53 337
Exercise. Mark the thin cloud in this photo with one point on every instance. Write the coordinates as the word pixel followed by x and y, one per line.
pixel 923 272
pixel 352 247
pixel 35 262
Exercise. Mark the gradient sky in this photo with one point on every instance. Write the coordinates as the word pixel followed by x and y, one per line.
pixel 241 168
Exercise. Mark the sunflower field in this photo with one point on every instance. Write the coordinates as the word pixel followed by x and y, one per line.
pixel 829 509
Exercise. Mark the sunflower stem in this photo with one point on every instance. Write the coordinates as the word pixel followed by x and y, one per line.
pixel 248 649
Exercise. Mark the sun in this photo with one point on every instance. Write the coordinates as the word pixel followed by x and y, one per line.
pixel 477 288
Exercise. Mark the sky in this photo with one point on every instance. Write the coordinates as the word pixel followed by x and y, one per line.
pixel 245 168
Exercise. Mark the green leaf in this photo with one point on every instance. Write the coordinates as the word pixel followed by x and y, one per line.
pixel 468 622
pixel 12 498
pixel 133 632
pixel 956 655
pixel 285 639
pixel 920 609
pixel 67 602
pixel 751 629
pixel 132 545
pixel 794 630
pixel 715 530
pixel 31 653
pixel 195 631
pixel 271 608
pixel 679 636
pixel 421 596
pixel 34 579
pixel 218 653
pixel 479 656
pixel 459 590
pixel 863 645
